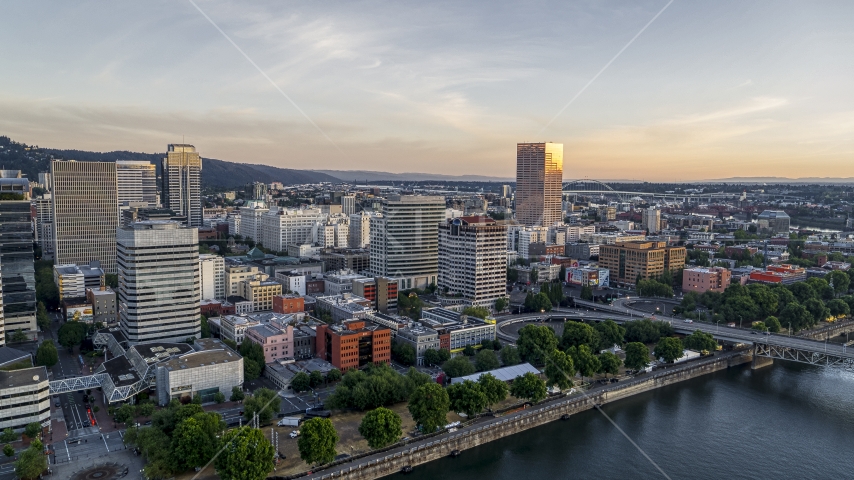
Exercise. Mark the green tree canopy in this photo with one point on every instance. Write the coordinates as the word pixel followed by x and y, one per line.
pixel 236 394
pixel 71 333
pixel 579 333
pixel 700 341
pixel 31 462
pixel 301 382
pixel 479 312
pixel 534 343
pixel 501 304
pixel 529 387
pixel 510 356
pixel 559 369
pixel 315 379
pixel 586 363
pixel 609 363
pixel 246 454
pixel 459 366
pixel 403 353
pixel 838 307
pixel 840 281
pixel 610 334
pixel 195 440
pixel 333 375
pixel 429 406
pixel 796 316
pixel 486 360
pixel 380 427
pixel 494 389
pixel 47 355
pixel 637 355
pixel 773 324
pixel 32 430
pixel 817 310
pixel 467 397
pixel 431 357
pixel 263 402
pixel 669 349
pixel 317 441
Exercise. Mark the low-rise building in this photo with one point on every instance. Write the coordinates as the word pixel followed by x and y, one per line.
pixel 700 280
pixel 73 280
pixel 343 307
pixel 24 397
pixel 104 307
pixel 233 327
pixel 340 282
pixel 288 303
pixel 582 251
pixel 381 291
pixel 277 340
pixel 211 368
pixel 589 276
pixel 259 290
pixel 420 338
pixel 457 331
pixel 353 344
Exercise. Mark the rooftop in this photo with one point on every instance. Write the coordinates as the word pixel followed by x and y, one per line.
pixel 23 377
pixel 201 359
pixel 504 374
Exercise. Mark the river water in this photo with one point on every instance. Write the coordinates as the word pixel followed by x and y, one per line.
pixel 788 421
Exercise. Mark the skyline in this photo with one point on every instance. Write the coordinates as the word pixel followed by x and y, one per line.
pixel 704 92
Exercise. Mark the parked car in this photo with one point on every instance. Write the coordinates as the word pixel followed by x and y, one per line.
pixel 295 434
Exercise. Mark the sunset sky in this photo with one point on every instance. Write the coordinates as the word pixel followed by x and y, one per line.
pixel 708 90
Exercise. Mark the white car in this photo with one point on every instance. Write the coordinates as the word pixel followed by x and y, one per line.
pixel 295 434
pixel 688 320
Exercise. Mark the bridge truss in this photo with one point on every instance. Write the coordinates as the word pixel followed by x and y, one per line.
pixel 75 384
pixel 812 357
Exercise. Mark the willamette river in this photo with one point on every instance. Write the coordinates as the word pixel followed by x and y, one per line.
pixel 788 421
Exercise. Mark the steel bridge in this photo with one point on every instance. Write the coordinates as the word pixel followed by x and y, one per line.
pixel 590 187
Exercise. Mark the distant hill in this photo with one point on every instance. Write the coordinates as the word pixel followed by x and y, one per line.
pixel 215 173
pixel 371 176
pixel 783 180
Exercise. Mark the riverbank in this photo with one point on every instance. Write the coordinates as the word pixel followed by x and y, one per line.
pixel 487 429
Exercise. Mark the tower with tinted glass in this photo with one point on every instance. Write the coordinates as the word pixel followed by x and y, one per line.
pixel 539 182
pixel 182 176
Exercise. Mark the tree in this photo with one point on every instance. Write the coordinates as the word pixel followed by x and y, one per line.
pixel 541 303
pixel 764 298
pixel 264 403
pixel 380 427
pixel 429 406
pixel 610 334
pixel 584 360
pixel 840 281
pixel 47 355
pixel 32 430
pixel 197 399
pixel 529 387
pixel 479 312
pixel 486 360
pixel 700 341
pixel 494 389
pixel 111 280
pixel 236 394
pixel 42 318
pixel 487 344
pixel 643 331
pixel 459 366
pixel 404 353
pixel 534 343
pixel 510 356
pixel 609 363
pixel 469 351
pixel 253 360
pixel 773 324
pixel 795 316
pixel 206 329
pixel 802 291
pixel 559 369
pixel 32 461
pixel 586 293
pixel 71 333
pixel 817 309
pixel 317 441
pixel 333 375
pixel 668 349
pixel 432 357
pixel 194 441
pixel 301 382
pixel 579 333
pixel 501 304
pixel 125 413
pixel 838 307
pixel 219 397
pixel 246 454
pixel 8 436
pixel 315 379
pixel 467 397
pixel 8 450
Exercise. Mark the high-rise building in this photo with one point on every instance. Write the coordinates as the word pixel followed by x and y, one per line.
pixel 405 240
pixel 17 270
pixel 182 174
pixel 539 183
pixel 85 213
pixel 212 277
pixel 259 191
pixel 43 230
pixel 360 229
pixel 250 220
pixel 136 182
pixel 473 259
pixel 283 227
pixel 652 220
pixel 506 191
pixel 158 268
pixel 348 204
pixel 44 179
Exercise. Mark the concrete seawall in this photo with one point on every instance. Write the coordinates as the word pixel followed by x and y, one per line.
pixel 549 411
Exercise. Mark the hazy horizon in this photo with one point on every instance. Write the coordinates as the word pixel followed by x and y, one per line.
pixel 706 91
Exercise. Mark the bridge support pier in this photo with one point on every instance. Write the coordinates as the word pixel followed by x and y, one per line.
pixel 760 362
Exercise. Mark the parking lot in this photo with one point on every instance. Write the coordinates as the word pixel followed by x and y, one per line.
pixel 299 403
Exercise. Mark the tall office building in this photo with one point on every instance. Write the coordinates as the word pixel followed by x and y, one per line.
pixel 539 183
pixel 506 191
pixel 43 227
pixel 85 213
pixel 405 239
pixel 652 220
pixel 17 270
pixel 136 182
pixel 212 277
pixel 182 174
pixel 473 259
pixel 158 267
pixel 348 204
pixel 360 229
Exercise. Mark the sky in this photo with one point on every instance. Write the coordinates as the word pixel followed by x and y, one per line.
pixel 707 90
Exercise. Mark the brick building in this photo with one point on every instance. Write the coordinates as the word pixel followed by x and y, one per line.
pixel 353 344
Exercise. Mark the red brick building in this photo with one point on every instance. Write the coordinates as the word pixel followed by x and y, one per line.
pixel 288 304
pixel 353 344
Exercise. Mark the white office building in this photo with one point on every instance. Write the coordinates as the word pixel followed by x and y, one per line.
pixel 136 182
pixel 348 204
pixel 43 229
pixel 473 259
pixel 158 268
pixel 360 229
pixel 212 277
pixel 405 239
pixel 250 220
pixel 283 227
pixel 334 232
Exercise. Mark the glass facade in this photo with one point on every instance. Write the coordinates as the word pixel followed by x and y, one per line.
pixel 17 269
